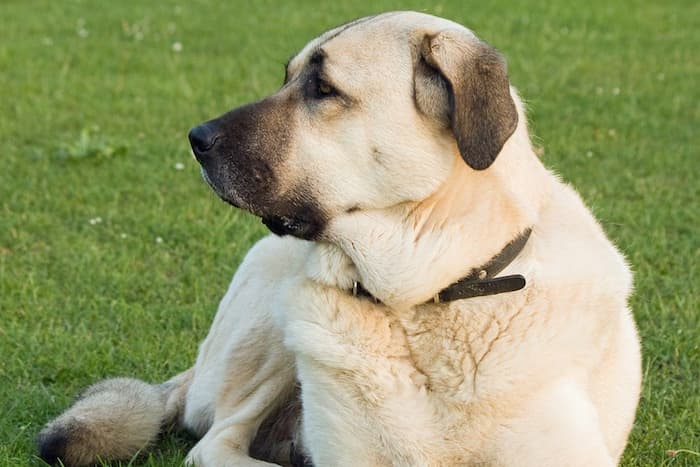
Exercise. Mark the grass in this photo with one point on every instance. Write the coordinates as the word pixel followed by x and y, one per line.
pixel 113 253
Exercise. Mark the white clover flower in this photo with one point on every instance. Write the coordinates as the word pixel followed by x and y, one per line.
pixel 177 47
pixel 95 220
pixel 179 166
pixel 159 239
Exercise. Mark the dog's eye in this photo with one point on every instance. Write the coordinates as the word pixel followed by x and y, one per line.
pixel 318 89
pixel 324 90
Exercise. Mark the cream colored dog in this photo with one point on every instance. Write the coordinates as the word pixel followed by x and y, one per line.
pixel 398 155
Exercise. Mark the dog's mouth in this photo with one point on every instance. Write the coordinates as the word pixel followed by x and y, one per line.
pixel 279 224
pixel 294 226
pixel 229 197
pixel 213 185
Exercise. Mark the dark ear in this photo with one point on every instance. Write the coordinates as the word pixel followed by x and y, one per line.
pixel 481 111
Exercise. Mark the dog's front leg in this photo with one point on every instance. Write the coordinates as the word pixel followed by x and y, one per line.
pixel 242 406
pixel 244 375
pixel 364 403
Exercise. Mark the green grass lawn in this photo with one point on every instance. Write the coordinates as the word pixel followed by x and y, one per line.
pixel 114 253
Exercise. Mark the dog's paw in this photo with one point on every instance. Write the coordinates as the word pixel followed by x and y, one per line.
pixel 218 451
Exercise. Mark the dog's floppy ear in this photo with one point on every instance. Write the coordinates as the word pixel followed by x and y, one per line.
pixel 479 106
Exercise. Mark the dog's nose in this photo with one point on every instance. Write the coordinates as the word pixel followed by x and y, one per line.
pixel 202 139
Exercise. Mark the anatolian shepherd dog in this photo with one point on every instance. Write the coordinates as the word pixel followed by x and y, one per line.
pixel 434 295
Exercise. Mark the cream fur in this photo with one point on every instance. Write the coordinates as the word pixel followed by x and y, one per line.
pixel 545 376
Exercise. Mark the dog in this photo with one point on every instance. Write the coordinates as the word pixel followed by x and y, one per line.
pixel 432 296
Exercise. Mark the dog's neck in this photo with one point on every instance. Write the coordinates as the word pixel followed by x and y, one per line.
pixel 404 255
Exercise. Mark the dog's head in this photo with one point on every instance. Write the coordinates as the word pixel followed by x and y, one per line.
pixel 371 115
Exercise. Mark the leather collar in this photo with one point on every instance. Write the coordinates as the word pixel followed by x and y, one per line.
pixel 480 281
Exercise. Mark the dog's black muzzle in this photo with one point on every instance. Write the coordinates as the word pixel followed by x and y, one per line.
pixel 242 154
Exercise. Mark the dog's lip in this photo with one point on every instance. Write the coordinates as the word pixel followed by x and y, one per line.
pixel 211 184
pixel 237 202
pixel 231 202
pixel 287 225
pixel 279 224
pixel 228 198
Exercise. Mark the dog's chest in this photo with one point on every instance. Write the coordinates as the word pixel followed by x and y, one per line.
pixel 428 364
pixel 462 348
pixel 450 350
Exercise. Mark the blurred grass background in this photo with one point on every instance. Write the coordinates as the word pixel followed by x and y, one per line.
pixel 114 254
